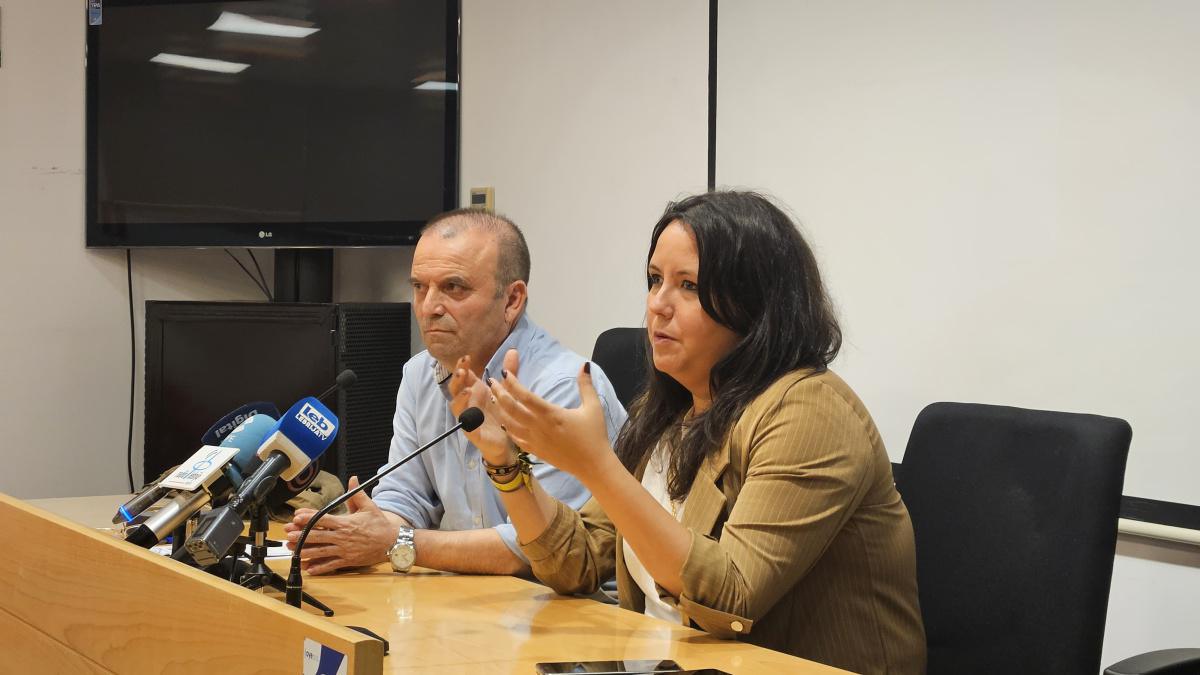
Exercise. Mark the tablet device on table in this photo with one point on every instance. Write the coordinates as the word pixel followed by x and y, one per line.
pixel 609 667
pixel 645 667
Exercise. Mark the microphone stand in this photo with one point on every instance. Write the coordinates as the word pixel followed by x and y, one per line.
pixel 178 536
pixel 255 573
pixel 294 593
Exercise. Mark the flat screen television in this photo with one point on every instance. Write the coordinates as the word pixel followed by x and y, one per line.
pixel 273 123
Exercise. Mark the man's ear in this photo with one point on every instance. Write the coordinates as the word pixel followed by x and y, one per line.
pixel 515 297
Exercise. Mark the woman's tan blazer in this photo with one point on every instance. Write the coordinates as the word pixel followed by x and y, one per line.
pixel 800 542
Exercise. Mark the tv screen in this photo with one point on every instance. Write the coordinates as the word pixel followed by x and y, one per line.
pixel 280 123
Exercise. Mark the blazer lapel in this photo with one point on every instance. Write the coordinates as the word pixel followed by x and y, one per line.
pixel 627 589
pixel 705 501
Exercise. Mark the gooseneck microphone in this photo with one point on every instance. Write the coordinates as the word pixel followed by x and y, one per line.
pixel 344 380
pixel 468 421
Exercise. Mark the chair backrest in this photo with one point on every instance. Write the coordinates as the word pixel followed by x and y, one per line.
pixel 623 353
pixel 1015 517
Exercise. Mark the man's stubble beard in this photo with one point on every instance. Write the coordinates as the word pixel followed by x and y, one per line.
pixel 451 350
pixel 446 352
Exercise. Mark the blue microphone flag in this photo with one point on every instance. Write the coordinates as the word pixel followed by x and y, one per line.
pixel 224 426
pixel 303 433
pixel 247 438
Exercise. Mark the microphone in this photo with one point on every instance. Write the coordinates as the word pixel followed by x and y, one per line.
pixel 143 500
pixel 344 380
pixel 225 426
pixel 165 520
pixel 217 433
pixel 246 463
pixel 300 436
pixel 468 421
pixel 199 481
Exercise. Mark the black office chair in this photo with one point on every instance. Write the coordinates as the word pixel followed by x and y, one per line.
pixel 1015 517
pixel 1161 662
pixel 623 354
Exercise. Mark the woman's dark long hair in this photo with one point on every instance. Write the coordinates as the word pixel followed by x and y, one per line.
pixel 759 278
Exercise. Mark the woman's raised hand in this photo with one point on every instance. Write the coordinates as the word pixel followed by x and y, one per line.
pixel 573 439
pixel 467 390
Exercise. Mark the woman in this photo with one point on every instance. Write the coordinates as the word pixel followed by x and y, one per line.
pixel 749 494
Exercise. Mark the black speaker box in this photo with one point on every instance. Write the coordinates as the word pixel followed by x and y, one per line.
pixel 204 359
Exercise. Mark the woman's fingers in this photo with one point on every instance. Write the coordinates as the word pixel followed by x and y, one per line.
pixel 530 401
pixel 513 415
pixel 521 425
pixel 588 398
pixel 527 403
pixel 523 443
pixel 512 362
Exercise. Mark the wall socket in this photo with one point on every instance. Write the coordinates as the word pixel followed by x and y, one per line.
pixel 483 198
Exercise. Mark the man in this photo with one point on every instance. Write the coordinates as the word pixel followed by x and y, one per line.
pixel 470 273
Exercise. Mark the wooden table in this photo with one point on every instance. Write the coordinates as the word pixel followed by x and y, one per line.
pixel 447 623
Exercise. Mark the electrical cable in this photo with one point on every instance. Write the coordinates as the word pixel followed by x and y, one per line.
pixel 250 274
pixel 270 296
pixel 132 367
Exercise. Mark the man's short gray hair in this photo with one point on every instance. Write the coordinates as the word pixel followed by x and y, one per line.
pixel 512 253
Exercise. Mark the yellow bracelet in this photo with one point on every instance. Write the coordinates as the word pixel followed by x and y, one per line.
pixel 515 484
pixel 524 467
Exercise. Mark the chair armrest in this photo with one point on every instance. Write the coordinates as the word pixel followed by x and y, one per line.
pixel 1161 662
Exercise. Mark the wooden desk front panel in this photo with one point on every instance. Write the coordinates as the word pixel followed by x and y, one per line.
pixel 440 623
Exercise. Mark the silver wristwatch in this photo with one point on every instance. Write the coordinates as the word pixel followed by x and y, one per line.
pixel 404 552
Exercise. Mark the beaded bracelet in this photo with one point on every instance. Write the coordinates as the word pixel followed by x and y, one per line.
pixel 523 466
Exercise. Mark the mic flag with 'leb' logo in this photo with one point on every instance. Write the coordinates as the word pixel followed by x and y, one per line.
pixel 316 422
pixel 302 433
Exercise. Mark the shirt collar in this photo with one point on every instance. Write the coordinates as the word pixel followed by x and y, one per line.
pixel 440 373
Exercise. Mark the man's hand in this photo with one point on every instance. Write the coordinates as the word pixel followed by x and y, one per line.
pixel 467 390
pixel 361 538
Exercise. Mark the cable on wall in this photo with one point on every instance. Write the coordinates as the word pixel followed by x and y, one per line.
pixel 712 95
pixel 261 276
pixel 262 285
pixel 132 367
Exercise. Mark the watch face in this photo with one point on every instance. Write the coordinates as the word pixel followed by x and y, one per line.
pixel 403 553
pixel 402 557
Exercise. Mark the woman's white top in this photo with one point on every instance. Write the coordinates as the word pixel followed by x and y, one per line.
pixel 655 482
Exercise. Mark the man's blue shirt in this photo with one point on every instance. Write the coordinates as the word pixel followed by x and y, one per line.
pixel 447 487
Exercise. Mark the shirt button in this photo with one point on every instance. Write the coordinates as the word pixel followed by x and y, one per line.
pixel 736 626
pixel 479 522
pixel 471 464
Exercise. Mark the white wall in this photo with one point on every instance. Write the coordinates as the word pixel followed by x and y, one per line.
pixel 1011 182
pixel 1002 196
pixel 1154 598
pixel 587 117
pixel 64 342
